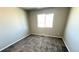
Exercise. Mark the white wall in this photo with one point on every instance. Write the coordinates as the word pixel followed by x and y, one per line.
pixel 13 26
pixel 71 37
pixel 60 18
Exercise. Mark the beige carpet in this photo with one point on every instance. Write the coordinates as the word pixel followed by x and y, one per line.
pixel 35 43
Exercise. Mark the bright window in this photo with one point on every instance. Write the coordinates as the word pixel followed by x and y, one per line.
pixel 45 20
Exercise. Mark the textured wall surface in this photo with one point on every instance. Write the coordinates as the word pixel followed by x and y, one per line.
pixel 13 25
pixel 59 22
pixel 72 31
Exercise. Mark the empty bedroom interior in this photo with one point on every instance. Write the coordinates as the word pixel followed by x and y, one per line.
pixel 39 29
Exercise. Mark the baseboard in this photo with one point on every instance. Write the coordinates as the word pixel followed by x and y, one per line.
pixel 46 35
pixel 14 42
pixel 66 45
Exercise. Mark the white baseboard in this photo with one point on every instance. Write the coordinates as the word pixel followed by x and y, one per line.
pixel 14 42
pixel 66 45
pixel 46 35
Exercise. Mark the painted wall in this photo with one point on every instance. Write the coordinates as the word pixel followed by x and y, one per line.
pixel 60 18
pixel 13 26
pixel 71 37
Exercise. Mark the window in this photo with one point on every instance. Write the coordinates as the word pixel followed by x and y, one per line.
pixel 45 20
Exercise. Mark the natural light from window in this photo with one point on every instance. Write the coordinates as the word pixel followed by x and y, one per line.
pixel 45 20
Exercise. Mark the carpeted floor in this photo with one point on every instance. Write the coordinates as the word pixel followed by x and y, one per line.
pixel 35 43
